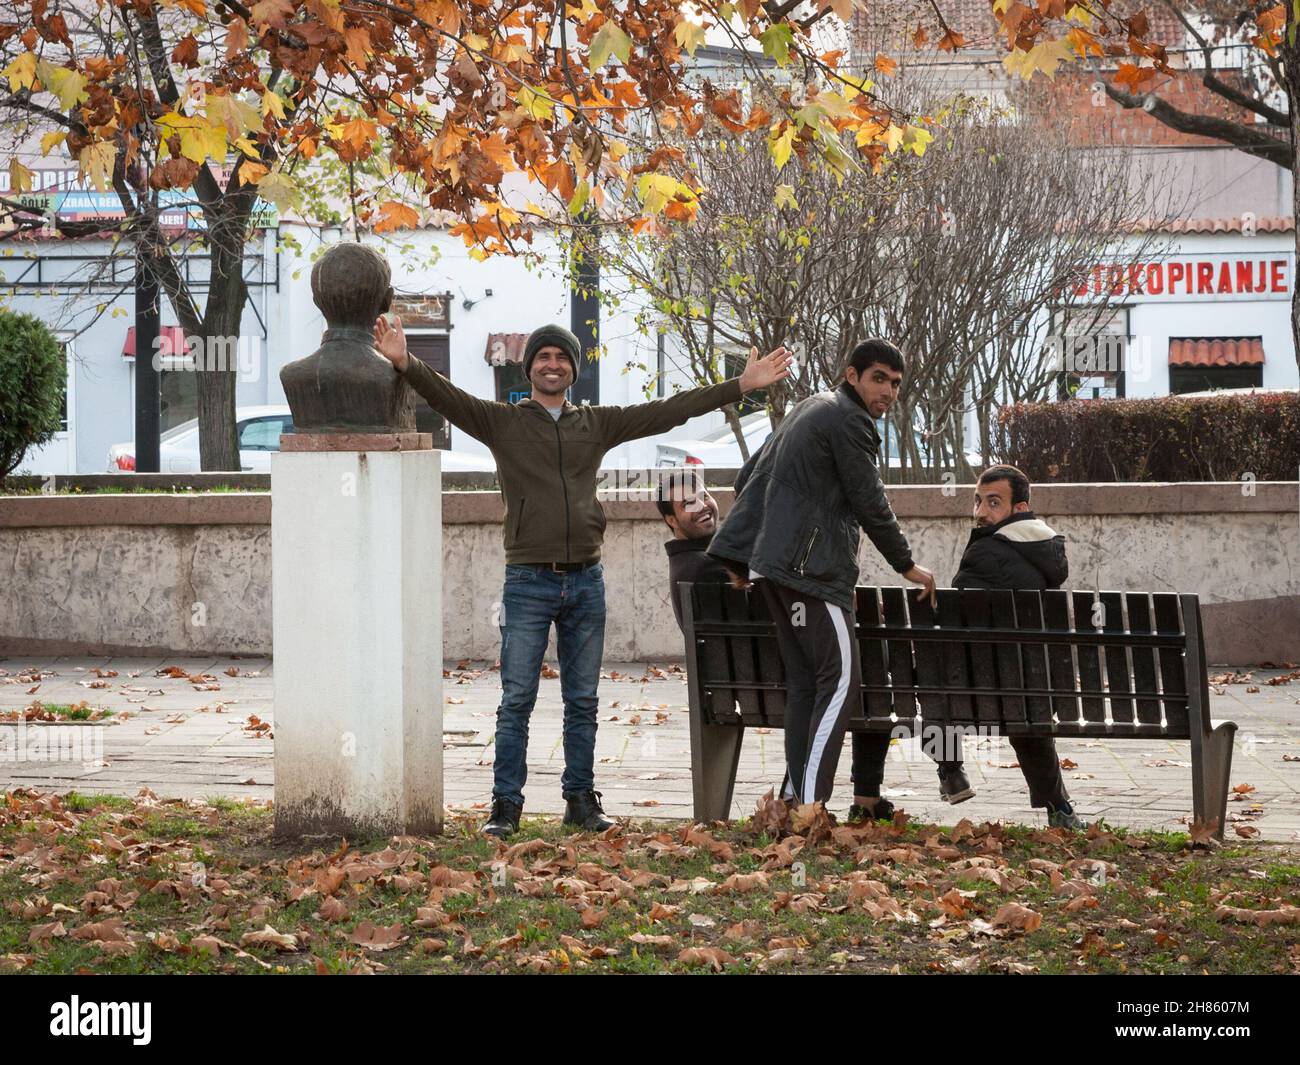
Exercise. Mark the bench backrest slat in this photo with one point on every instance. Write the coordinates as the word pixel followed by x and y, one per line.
pixel 977 608
pixel 714 655
pixel 770 670
pixel 1056 615
pixel 1087 615
pixel 735 605
pixel 1119 671
pixel 1173 662
pixel 894 603
pixel 873 652
pixel 1011 674
pixel 928 658
pixel 1144 658
pixel 1033 657
pixel 953 658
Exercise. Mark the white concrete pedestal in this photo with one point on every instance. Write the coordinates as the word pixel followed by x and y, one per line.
pixel 356 547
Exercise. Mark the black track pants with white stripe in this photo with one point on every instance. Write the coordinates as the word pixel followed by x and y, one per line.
pixel 822 677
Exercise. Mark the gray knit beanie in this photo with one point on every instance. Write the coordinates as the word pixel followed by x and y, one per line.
pixel 553 336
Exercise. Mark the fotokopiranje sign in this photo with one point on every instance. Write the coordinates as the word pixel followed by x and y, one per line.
pixel 1209 277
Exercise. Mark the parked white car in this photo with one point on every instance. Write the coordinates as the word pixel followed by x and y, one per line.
pixel 259 431
pixel 720 450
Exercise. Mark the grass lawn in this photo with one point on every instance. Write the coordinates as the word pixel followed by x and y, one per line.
pixel 104 884
pixel 55 712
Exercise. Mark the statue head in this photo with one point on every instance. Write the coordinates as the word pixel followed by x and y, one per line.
pixel 350 284
pixel 345 386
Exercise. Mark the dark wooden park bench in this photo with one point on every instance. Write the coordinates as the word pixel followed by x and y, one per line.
pixel 1027 662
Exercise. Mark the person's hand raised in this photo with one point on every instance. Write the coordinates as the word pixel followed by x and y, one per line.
pixel 771 368
pixel 390 340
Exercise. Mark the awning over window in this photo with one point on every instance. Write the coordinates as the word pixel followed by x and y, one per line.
pixel 505 347
pixel 171 341
pixel 1216 351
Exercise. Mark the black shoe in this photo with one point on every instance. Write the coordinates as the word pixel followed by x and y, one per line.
pixel 1062 815
pixel 583 811
pixel 953 785
pixel 504 820
pixel 883 811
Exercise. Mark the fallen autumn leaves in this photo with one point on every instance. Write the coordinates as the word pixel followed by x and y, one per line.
pixel 113 885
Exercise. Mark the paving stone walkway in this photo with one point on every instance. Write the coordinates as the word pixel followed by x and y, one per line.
pixel 194 741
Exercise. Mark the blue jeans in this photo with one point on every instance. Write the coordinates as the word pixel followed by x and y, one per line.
pixel 533 599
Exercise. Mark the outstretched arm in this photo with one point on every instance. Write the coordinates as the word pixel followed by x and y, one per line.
pixel 621 424
pixel 478 417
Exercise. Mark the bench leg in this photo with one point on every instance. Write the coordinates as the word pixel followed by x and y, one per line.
pixel 715 756
pixel 1210 776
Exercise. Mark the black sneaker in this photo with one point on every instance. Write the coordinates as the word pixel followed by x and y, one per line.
pixel 504 819
pixel 954 787
pixel 583 811
pixel 1062 815
pixel 883 811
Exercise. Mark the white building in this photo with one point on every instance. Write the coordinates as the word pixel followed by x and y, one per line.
pixel 1215 312
pixel 464 316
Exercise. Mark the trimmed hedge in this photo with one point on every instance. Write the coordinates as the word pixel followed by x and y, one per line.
pixel 1215 438
pixel 33 375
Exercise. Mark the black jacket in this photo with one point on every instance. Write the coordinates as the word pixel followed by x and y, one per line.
pixel 688 563
pixel 1021 552
pixel 805 496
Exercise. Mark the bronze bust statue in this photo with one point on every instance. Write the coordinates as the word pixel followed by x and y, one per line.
pixel 346 386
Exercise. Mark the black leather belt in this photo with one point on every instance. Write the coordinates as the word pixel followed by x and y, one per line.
pixel 563 567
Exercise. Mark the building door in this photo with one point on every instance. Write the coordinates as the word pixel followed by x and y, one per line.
pixel 434 349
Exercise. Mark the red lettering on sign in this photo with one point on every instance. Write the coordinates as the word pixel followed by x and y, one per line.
pixel 1204 277
pixel 1176 272
pixel 1155 279
pixel 1245 282
pixel 1276 281
pixel 1225 277
pixel 1135 278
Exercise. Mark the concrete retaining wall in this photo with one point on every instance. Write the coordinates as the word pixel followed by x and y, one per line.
pixel 190 574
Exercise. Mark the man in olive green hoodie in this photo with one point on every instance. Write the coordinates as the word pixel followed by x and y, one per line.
pixel 548 453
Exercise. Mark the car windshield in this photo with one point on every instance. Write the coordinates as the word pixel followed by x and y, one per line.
pixel 179 430
pixel 749 424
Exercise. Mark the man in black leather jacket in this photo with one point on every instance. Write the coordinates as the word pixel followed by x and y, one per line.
pixel 1012 548
pixel 801 502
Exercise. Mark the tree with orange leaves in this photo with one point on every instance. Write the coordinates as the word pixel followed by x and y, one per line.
pixel 461 107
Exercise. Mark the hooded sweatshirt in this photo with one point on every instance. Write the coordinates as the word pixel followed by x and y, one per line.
pixel 1021 552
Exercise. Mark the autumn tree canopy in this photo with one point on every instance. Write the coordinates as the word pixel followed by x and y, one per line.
pixel 467 111
pixel 463 111
pixel 456 97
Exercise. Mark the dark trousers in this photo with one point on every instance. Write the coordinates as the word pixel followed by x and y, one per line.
pixel 1042 769
pixel 823 688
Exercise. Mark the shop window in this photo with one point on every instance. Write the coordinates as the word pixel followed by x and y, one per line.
pixel 1183 379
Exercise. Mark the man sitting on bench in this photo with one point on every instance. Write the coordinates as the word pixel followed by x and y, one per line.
pixel 692 515
pixel 1011 548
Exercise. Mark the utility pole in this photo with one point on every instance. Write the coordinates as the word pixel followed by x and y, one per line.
pixel 147 402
